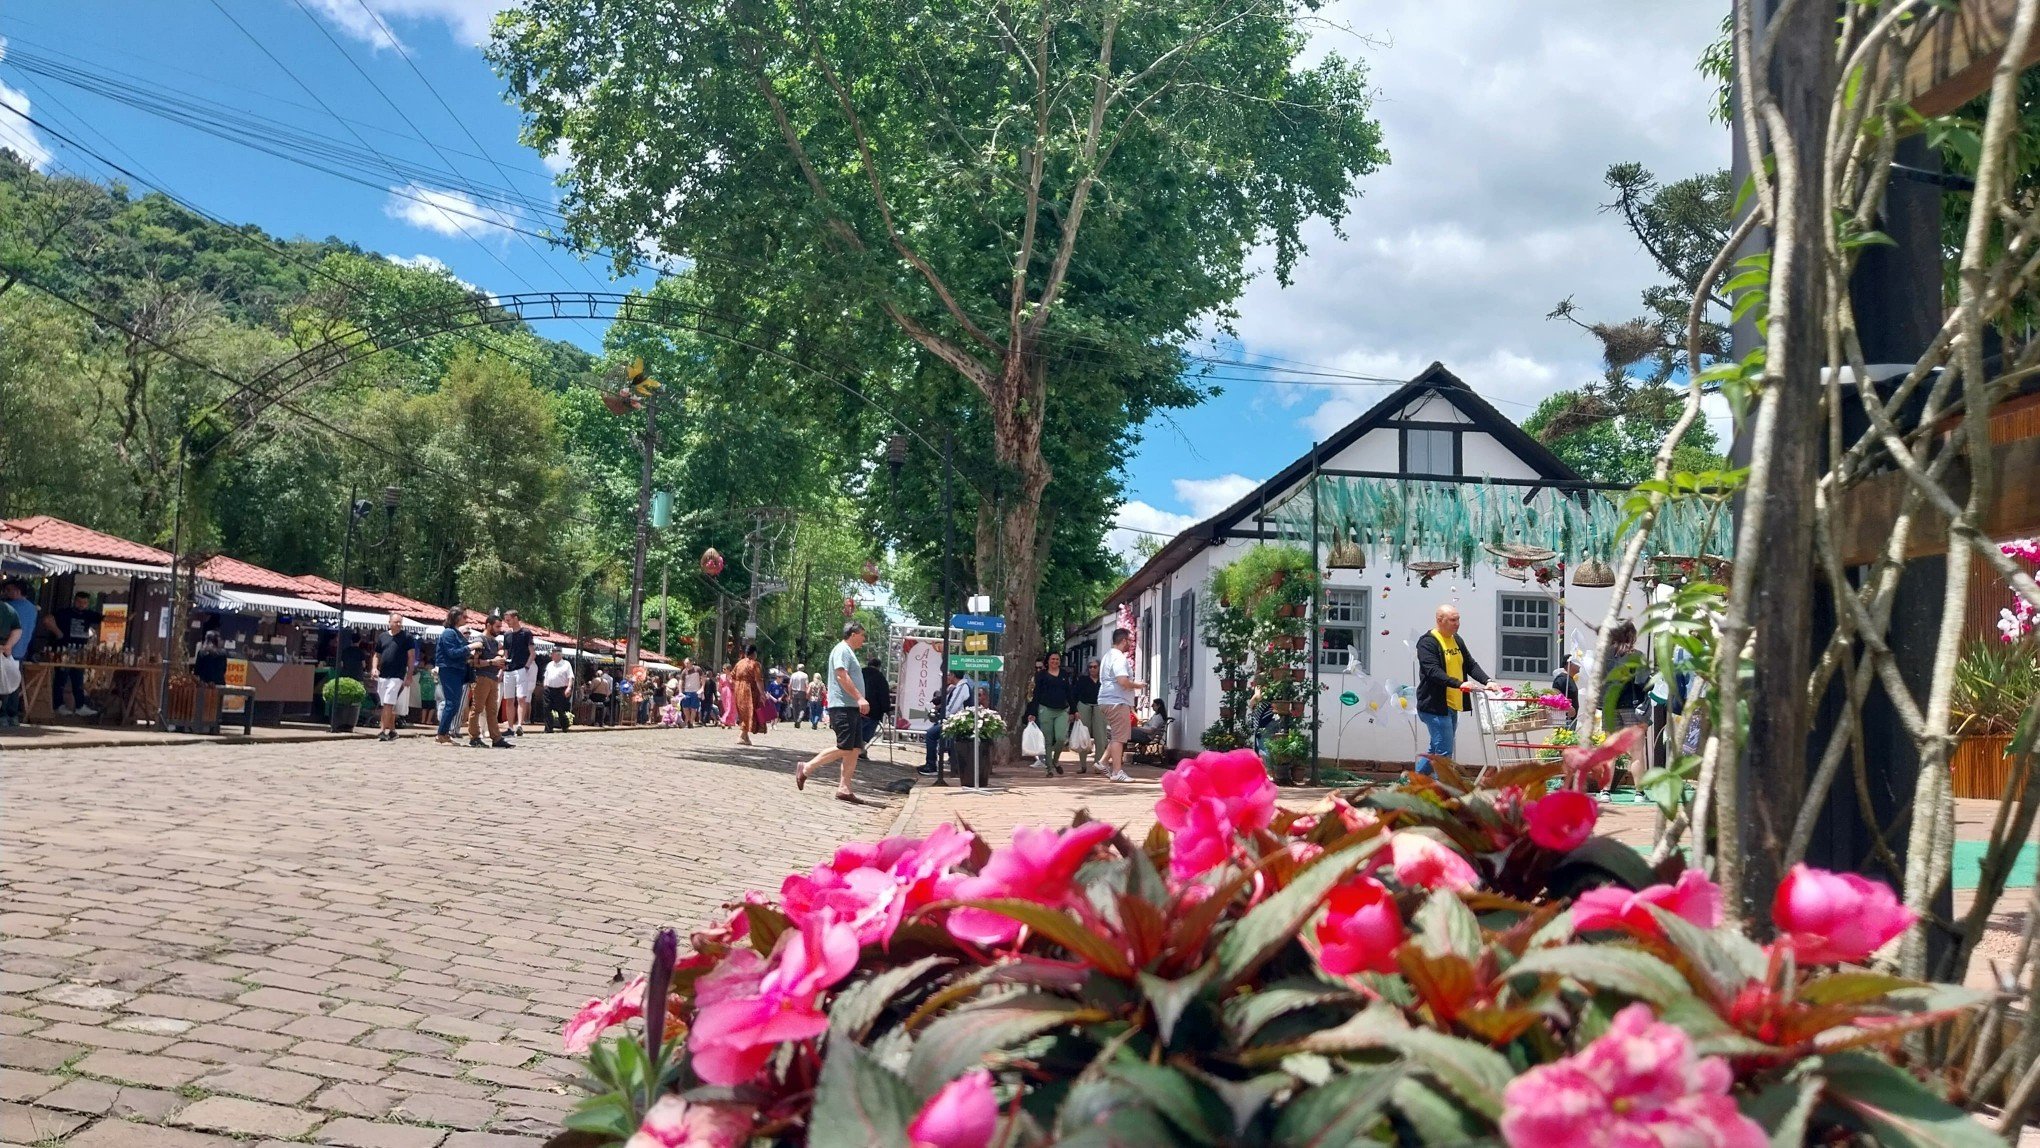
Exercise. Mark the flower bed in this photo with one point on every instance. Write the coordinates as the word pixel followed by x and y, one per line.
pixel 1429 964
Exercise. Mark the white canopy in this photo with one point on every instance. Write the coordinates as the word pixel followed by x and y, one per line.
pixel 251 602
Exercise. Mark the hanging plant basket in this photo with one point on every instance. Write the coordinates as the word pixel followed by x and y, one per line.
pixel 1594 574
pixel 1228 684
pixel 1346 555
pixel 1425 571
pixel 1520 554
pixel 1513 573
pixel 1679 569
pixel 1225 713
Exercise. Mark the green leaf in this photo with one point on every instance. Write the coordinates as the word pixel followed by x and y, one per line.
pixel 1475 1072
pixel 962 1039
pixel 856 1007
pixel 575 1138
pixel 1168 999
pixel 858 1103
pixel 1247 1013
pixel 1244 1099
pixel 608 1114
pixel 1626 971
pixel 1663 787
pixel 1448 926
pixel 1342 1112
pixel 1782 1108
pixel 1174 1095
pixel 1727 965
pixel 766 925
pixel 1437 1118
pixel 1852 987
pixel 1897 1110
pixel 1063 929
pixel 1277 920
pixel 1603 856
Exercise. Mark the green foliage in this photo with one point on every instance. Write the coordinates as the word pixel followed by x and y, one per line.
pixel 1222 735
pixel 343 691
pixel 1623 446
pixel 1995 683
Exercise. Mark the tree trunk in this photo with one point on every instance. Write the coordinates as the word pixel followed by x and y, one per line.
pixel 1007 543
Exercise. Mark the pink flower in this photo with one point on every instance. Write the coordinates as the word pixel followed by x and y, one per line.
pixel 1591 769
pixel 1425 862
pixel 1361 930
pixel 600 1015
pixel 747 1007
pixel 1639 1086
pixel 1693 897
pixel 1302 825
pixel 1038 866
pixel 1351 817
pixel 964 1114
pixel 674 1123
pixel 874 886
pixel 1209 801
pixel 731 1041
pixel 1833 917
pixel 1562 821
pixel 1554 701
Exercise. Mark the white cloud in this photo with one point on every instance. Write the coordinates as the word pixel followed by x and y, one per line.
pixel 560 158
pixel 1135 518
pixel 1207 496
pixel 448 212
pixel 430 263
pixel 1499 120
pixel 468 20
pixel 15 133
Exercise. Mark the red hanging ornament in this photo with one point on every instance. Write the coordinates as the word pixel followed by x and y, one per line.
pixel 870 574
pixel 711 562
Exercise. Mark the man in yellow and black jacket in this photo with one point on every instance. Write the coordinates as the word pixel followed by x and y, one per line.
pixel 1446 673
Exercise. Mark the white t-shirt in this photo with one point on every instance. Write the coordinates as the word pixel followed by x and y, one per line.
pixel 797 684
pixel 559 675
pixel 690 682
pixel 1110 692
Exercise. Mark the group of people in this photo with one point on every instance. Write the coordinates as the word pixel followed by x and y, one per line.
pixel 27 631
pixel 1102 700
pixel 751 699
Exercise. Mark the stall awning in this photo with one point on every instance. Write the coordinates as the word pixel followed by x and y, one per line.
pixel 250 602
pixel 372 618
pixel 109 567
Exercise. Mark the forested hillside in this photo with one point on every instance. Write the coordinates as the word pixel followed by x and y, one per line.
pixel 133 334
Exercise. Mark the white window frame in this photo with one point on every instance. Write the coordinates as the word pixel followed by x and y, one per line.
pixel 1507 666
pixel 1351 610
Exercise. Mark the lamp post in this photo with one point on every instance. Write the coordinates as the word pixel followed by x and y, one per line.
pixel 357 509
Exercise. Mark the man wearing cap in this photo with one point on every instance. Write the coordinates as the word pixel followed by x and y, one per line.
pixel 847 707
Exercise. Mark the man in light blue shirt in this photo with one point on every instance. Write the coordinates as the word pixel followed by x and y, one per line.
pixel 847 707
pixel 17 629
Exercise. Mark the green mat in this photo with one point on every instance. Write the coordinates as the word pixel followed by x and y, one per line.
pixel 1969 865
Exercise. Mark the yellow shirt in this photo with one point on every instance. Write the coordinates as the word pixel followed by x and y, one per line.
pixel 1455 668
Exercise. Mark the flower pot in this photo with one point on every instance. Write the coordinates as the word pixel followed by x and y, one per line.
pixel 972 761
pixel 1980 767
pixel 1225 713
pixel 345 714
pixel 1275 579
pixel 1293 610
pixel 1228 684
pixel 1299 772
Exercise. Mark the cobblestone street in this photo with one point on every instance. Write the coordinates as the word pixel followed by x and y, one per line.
pixel 359 944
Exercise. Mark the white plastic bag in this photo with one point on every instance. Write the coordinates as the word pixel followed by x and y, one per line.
pixel 1080 737
pixel 1032 744
pixel 10 675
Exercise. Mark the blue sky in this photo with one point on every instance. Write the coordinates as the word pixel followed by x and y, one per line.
pixel 1499 119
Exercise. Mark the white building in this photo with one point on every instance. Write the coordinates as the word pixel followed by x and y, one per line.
pixel 1432 428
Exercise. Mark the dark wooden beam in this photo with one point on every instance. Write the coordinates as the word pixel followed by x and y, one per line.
pixel 1962 49
pixel 1869 509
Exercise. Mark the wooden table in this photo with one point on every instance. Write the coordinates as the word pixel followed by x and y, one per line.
pixel 123 695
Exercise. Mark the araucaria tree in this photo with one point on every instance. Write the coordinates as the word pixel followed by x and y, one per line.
pixel 1009 188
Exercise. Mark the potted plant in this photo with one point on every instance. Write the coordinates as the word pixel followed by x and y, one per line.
pixel 1289 756
pixel 1222 735
pixel 343 698
pixel 1995 682
pixel 967 732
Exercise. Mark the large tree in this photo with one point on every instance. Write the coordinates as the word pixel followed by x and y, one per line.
pixel 1010 186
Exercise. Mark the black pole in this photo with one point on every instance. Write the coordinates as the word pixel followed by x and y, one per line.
pixel 948 588
pixel 1316 601
pixel 340 635
pixel 170 634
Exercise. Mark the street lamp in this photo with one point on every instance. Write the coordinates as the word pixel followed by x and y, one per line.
pixel 357 509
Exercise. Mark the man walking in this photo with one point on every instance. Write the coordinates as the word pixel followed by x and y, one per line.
pixel 485 693
pixel 396 659
pixel 1086 692
pixel 847 707
pixel 450 658
pixel 74 627
pixel 17 626
pixel 600 687
pixel 1117 689
pixel 559 679
pixel 1446 673
pixel 796 694
pixel 520 671
pixel 1053 707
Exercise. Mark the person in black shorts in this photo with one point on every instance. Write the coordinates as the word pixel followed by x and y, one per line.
pixel 847 708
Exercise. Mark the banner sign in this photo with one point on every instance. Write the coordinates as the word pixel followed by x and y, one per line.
pixel 237 675
pixel 920 679
pixel 113 623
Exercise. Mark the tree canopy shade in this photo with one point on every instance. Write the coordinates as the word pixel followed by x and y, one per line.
pixel 1008 189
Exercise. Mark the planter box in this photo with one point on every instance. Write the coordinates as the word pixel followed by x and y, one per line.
pixel 1228 684
pixel 972 761
pixel 1980 766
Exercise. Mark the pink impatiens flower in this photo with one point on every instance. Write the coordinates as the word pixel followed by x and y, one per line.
pixel 1692 897
pixel 1562 821
pixel 874 886
pixel 1639 1086
pixel 1425 862
pixel 1592 768
pixel 1829 918
pixel 964 1114
pixel 1361 930
pixel 600 1015
pixel 1038 866
pixel 746 1007
pixel 1210 800
pixel 674 1123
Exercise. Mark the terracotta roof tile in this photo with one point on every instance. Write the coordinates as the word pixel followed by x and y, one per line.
pixel 233 572
pixel 43 534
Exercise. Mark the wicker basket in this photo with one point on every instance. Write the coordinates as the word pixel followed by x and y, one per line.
pixel 1346 555
pixel 1595 574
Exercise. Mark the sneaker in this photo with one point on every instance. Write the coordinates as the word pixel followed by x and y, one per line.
pixel 64 711
pixel 500 743
pixel 87 711
pixel 1120 776
pixel 925 770
pixel 442 739
pixel 477 743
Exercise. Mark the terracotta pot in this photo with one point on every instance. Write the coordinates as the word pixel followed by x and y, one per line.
pixel 1275 579
pixel 1299 772
pixel 1290 611
pixel 1225 713
pixel 1228 684
pixel 1980 766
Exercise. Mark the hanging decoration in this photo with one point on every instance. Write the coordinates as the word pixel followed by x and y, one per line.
pixel 870 573
pixel 711 562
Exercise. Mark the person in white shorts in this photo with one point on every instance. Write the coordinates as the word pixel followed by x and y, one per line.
pixel 396 659
pixel 520 670
pixel 1117 689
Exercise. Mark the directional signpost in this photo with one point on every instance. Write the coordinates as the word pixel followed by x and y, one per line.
pixel 978 623
pixel 976 663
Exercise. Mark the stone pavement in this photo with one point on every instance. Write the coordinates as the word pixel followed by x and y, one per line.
pixel 357 944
